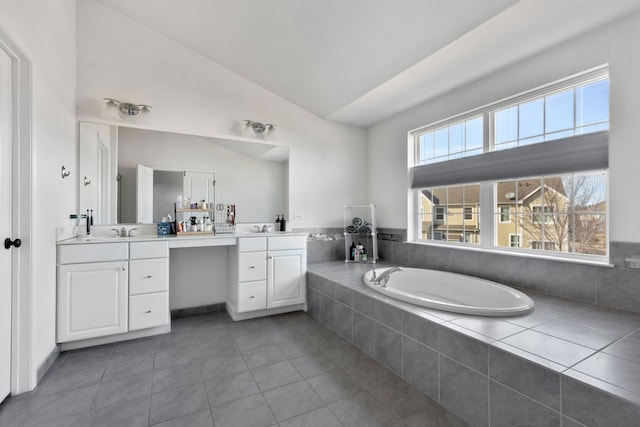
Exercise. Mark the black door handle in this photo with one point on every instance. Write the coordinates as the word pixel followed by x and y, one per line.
pixel 8 243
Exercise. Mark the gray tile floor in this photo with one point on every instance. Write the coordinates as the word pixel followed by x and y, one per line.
pixel 287 370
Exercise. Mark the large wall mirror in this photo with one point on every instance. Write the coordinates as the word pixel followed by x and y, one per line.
pixel 252 175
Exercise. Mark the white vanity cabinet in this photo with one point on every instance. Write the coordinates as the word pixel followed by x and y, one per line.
pixel 92 290
pixel 267 275
pixel 107 289
pixel 148 285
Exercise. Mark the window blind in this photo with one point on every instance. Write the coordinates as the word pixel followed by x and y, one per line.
pixel 571 154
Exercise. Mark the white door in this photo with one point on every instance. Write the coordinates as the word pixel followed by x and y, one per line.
pixel 5 223
pixel 286 278
pixel 144 195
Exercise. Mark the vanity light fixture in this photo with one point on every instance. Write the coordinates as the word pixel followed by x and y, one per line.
pixel 116 109
pixel 260 127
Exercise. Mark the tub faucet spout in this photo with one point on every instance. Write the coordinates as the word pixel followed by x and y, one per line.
pixel 383 278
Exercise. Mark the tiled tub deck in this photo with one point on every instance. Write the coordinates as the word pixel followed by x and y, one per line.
pixel 566 364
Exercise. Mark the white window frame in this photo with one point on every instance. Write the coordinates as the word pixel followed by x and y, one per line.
pixel 488 198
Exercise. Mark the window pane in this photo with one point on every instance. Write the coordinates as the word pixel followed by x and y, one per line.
pixel 456 138
pixel 441 142
pixel 474 134
pixel 531 118
pixel 454 213
pixel 425 148
pixel 559 111
pixel 590 235
pixel 506 125
pixel 592 103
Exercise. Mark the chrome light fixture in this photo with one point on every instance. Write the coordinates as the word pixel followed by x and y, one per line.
pixel 260 127
pixel 116 109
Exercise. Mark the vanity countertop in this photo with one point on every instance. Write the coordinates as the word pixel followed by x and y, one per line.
pixel 178 241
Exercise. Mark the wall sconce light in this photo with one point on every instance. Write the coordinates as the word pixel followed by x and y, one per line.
pixel 115 109
pixel 65 172
pixel 260 127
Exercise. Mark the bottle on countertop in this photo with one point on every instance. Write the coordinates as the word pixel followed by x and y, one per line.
pixel 278 222
pixel 352 252
pixel 91 217
pixel 88 222
pixel 283 223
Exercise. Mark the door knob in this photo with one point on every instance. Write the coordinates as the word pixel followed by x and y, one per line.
pixel 8 243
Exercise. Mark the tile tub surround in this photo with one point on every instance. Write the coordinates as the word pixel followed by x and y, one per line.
pixel 615 286
pixel 286 370
pixel 567 363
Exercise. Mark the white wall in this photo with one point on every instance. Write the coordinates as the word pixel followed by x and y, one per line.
pixel 615 44
pixel 46 32
pixel 256 186
pixel 119 58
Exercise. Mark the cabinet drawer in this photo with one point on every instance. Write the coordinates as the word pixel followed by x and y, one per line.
pixel 142 250
pixel 283 243
pixel 252 244
pixel 148 310
pixel 148 275
pixel 93 252
pixel 252 296
pixel 252 266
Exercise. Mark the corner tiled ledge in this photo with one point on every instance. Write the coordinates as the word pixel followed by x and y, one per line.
pixel 567 362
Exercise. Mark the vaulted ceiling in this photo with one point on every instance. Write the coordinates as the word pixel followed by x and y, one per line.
pixel 359 61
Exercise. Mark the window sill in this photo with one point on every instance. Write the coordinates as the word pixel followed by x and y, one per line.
pixel 519 253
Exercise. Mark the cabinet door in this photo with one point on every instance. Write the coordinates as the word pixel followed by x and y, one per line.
pixel 92 300
pixel 286 278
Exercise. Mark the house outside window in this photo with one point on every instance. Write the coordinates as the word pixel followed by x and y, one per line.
pixel 560 213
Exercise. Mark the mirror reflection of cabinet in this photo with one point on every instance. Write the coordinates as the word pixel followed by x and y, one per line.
pixel 97 171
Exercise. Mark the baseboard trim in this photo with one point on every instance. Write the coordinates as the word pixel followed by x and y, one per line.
pixel 72 345
pixel 47 363
pixel 261 313
pixel 192 311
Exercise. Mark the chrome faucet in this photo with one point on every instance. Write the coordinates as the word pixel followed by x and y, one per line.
pixel 117 232
pixel 264 229
pixel 130 230
pixel 383 278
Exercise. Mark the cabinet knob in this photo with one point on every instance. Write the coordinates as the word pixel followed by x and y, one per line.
pixel 147 312
pixel 270 256
pixel 124 268
pixel 148 277
pixel 253 266
pixel 252 297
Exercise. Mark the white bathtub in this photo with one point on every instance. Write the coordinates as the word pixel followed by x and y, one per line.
pixel 452 292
